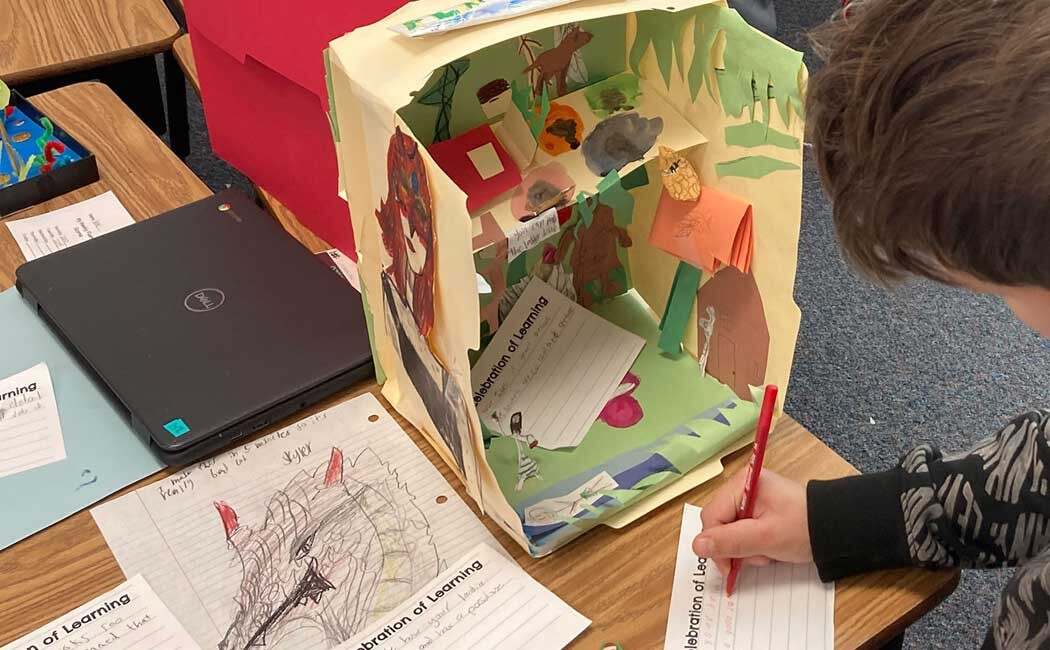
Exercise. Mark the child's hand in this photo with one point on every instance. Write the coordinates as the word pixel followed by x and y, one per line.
pixel 779 529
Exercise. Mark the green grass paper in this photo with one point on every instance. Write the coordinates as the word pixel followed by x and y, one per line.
pixel 752 167
pixel 756 134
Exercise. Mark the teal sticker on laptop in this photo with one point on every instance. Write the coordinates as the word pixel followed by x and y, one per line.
pixel 176 427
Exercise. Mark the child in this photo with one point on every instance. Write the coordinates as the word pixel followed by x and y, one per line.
pixel 929 124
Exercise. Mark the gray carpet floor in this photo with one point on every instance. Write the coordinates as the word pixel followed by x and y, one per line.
pixel 876 372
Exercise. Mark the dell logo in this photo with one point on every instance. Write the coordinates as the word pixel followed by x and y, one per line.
pixel 204 300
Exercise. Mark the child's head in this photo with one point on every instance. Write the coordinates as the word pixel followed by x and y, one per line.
pixel 930 121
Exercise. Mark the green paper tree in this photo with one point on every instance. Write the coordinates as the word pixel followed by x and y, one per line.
pixel 440 94
pixel 756 69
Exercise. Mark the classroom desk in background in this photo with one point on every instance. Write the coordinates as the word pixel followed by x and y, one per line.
pixel 53 43
pixel 621 579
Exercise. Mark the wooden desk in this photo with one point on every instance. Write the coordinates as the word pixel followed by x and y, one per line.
pixel 604 574
pixel 290 222
pixel 47 38
pixel 143 173
pixel 183 51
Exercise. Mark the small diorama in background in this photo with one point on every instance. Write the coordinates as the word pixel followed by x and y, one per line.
pixel 38 160
pixel 628 181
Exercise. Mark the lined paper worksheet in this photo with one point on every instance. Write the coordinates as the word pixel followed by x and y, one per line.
pixel 30 430
pixel 129 617
pixel 482 602
pixel 298 539
pixel 776 607
pixel 554 364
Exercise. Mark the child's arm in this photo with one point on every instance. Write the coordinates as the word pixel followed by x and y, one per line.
pixel 984 508
pixel 988 507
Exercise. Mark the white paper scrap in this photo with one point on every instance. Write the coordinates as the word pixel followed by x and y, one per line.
pixel 532 232
pixel 69 226
pixel 30 430
pixel 776 607
pixel 347 267
pixel 564 508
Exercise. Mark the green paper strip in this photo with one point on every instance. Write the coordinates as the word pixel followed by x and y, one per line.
pixel 752 167
pixel 623 496
pixel 585 210
pixel 679 305
pixel 638 178
pixel 333 121
pixel 610 180
pixel 655 479
pixel 755 134
pixel 683 451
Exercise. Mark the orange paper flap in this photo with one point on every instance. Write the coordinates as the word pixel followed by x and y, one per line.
pixel 717 229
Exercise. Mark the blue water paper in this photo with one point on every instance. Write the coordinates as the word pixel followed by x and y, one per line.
pixel 103 453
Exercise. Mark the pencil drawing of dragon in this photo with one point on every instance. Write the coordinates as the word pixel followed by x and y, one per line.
pixel 338 547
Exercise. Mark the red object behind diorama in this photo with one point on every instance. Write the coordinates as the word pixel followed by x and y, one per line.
pixel 262 79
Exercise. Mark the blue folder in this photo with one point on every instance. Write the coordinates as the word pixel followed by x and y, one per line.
pixel 103 453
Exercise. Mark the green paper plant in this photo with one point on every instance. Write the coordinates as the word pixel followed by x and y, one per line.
pixel 754 68
pixel 440 94
pixel 21 167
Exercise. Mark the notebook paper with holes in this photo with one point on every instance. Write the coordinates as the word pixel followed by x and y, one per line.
pixel 296 540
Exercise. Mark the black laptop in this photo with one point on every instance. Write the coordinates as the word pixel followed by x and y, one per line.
pixel 207 323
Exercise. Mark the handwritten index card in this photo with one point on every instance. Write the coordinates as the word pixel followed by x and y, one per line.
pixel 128 617
pixel 553 362
pixel 483 602
pixel 30 431
pixel 298 539
pixel 776 607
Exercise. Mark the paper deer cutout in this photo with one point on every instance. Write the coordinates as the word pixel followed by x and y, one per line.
pixel 553 64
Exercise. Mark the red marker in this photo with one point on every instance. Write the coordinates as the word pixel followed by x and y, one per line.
pixel 754 469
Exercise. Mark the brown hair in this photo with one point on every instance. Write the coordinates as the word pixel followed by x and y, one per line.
pixel 930 122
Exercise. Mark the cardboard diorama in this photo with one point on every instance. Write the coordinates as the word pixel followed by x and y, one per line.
pixel 577 234
pixel 38 160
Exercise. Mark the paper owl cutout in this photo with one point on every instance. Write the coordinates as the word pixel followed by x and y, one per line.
pixel 679 176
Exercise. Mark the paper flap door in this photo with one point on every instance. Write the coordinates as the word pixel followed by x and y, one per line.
pixel 227 24
pixel 708 233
